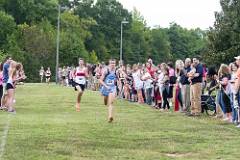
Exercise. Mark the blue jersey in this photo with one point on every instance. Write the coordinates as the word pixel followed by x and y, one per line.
pixel 5 72
pixel 110 80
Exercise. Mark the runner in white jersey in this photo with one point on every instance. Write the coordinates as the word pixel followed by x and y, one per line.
pixel 80 75
pixel 41 74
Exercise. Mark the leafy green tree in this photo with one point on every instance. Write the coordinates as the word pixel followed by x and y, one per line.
pixel 160 45
pixel 186 43
pixel 31 11
pixel 109 14
pixel 7 26
pixel 74 32
pixel 93 57
pixel 224 37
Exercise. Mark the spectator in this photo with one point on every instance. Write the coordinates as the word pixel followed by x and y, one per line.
pixel 195 89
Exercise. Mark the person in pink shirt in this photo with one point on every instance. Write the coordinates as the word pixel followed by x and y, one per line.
pixel 1 82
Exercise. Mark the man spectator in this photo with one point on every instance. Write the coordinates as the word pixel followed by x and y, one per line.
pixel 196 88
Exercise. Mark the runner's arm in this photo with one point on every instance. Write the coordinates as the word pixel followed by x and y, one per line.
pixel 101 80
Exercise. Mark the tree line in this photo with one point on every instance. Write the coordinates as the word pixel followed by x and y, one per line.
pixel 91 30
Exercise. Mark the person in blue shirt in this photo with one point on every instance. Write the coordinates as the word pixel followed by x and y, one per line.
pixel 196 88
pixel 6 65
pixel 108 89
pixel 185 90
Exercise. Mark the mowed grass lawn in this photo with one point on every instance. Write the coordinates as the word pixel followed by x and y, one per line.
pixel 46 127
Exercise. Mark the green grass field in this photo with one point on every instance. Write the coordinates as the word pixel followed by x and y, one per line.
pixel 46 127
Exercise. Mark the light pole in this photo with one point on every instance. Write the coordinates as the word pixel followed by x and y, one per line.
pixel 58 40
pixel 58 36
pixel 121 45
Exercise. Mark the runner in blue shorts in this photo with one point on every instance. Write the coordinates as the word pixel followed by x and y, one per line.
pixel 108 89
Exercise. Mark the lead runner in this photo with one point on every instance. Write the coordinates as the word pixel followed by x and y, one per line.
pixel 80 76
pixel 108 89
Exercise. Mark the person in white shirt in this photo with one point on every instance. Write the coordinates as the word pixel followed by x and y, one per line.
pixel 147 79
pixel 138 83
pixel 80 79
pixel 41 74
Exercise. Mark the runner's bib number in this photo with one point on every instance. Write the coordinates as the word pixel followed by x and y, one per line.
pixel 110 82
pixel 80 80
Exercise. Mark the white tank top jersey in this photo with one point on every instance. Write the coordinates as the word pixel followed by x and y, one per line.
pixel 80 76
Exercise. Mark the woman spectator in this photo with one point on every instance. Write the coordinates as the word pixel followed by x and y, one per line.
pixel 137 83
pixel 233 68
pixel 172 81
pixel 128 84
pixel 225 91
pixel 164 86
pixel 1 83
pixel 15 74
pixel 178 86
pixel 147 78
pixel 157 93
pixel 121 79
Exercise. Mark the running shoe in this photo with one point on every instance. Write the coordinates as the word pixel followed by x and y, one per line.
pixel 110 120
pixel 3 108
pixel 12 112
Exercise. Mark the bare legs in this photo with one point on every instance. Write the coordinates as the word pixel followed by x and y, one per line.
pixel 79 97
pixel 109 102
pixel 10 100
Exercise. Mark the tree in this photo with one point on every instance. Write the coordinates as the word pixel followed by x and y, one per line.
pixel 74 32
pixel 109 14
pixel 224 37
pixel 7 25
pixel 135 43
pixel 186 43
pixel 31 11
pixel 160 45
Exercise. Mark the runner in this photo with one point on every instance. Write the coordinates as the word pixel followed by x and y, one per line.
pixel 48 75
pixel 41 73
pixel 108 90
pixel 80 76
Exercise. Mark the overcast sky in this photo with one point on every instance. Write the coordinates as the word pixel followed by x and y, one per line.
pixel 187 13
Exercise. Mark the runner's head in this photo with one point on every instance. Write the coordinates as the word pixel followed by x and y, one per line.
pixel 81 62
pixel 112 63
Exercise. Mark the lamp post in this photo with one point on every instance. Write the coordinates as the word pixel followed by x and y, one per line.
pixel 121 45
pixel 58 41
pixel 58 36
